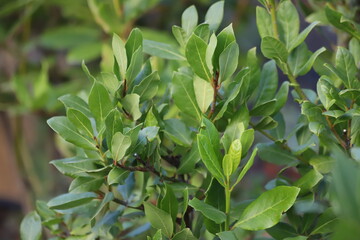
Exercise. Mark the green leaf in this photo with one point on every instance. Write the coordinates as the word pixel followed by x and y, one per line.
pixel 85 184
pixel 267 209
pixel 281 96
pixel 99 102
pixel 209 130
pixel 184 234
pixel 268 83
pixel 70 200
pixel 263 21
pixel 203 93
pixel 215 196
pixel 30 227
pixel 354 48
pixel 159 219
pixel 80 121
pixel 169 202
pixel 227 165
pixel 274 49
pixel 63 127
pixel 134 67
pixel 113 123
pixel 274 153
pixel 214 15
pixel 266 123
pixel 189 19
pixel 187 163
pixel 157 236
pixel 134 42
pixel 209 157
pixel 325 223
pixel 235 152
pixel 162 50
pixel 203 31
pixel 72 101
pixel 346 68
pixel 195 52
pixel 109 196
pixel 310 62
pixel 119 144
pixel 264 109
pixel 210 50
pixel 336 19
pixel 183 92
pixel 75 166
pixel 308 181
pixel 177 131
pixel 110 82
pixel 247 139
pixel 117 176
pixel 148 87
pixel 228 61
pixel 225 37
pixel 179 34
pixel 322 164
pixel 131 104
pixel 288 22
pixel 282 231
pixel 208 211
pixel 119 50
pixel 247 166
pixel 302 36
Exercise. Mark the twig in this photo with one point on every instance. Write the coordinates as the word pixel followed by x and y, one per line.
pixel 215 84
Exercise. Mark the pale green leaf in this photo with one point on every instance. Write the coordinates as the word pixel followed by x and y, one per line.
pixel 30 227
pixel 159 219
pixel 119 144
pixel 208 211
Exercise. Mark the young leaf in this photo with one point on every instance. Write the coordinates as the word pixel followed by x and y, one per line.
pixel 30 227
pixel 159 219
pixel 119 50
pixel 227 165
pixel 247 166
pixel 208 211
pixel 228 61
pixel 99 102
pixel 70 200
pixel 214 15
pixel 235 152
pixel 68 132
pixel 267 209
pixel 195 52
pixel 119 144
pixel 203 31
pixel 189 19
pixel 183 92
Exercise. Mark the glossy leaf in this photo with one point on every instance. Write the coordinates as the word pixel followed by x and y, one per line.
pixel 99 102
pixel 189 19
pixel 183 92
pixel 195 52
pixel 148 87
pixel 119 144
pixel 267 209
pixel 274 49
pixel 159 219
pixel 68 132
pixel 228 61
pixel 119 50
pixel 308 181
pixel 70 200
pixel 208 211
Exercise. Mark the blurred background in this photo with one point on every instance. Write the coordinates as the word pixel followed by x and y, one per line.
pixel 42 44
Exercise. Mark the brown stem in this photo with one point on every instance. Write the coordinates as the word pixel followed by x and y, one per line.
pixel 124 90
pixel 146 168
pixel 215 84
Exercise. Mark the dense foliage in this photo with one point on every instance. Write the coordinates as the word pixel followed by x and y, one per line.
pixel 160 146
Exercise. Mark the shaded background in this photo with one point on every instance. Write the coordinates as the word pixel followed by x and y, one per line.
pixel 42 44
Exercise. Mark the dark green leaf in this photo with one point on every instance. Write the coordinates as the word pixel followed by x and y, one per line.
pixel 119 50
pixel 117 176
pixel 208 211
pixel 264 109
pixel 148 87
pixel 99 102
pixel 228 61
pixel 268 83
pixel 274 153
pixel 169 202
pixel 188 161
pixel 70 200
pixel 159 219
